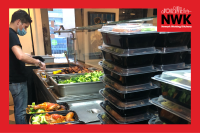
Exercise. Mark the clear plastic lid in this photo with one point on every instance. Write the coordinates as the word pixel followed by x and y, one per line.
pixel 134 24
pixel 163 50
pixel 126 89
pixel 127 72
pixel 173 108
pixel 171 67
pixel 128 52
pixel 124 120
pixel 105 119
pixel 123 105
pixel 179 78
pixel 128 29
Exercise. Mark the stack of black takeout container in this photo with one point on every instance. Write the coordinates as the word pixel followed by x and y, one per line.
pixel 128 53
pixel 130 57
pixel 174 104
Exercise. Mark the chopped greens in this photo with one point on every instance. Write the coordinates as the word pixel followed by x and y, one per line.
pixel 87 77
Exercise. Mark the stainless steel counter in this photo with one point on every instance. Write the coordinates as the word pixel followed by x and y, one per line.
pixel 86 106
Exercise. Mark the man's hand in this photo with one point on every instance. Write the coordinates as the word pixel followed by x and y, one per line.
pixel 42 66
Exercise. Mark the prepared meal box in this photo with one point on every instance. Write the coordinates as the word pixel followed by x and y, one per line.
pixel 45 107
pixel 188 58
pixel 126 89
pixel 129 80
pixel 129 36
pixel 133 96
pixel 126 116
pixel 175 86
pixel 170 112
pixel 130 58
pixel 106 119
pixel 170 58
pixel 172 39
pixel 63 117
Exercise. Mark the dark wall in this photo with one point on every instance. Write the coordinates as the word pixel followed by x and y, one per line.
pixel 125 14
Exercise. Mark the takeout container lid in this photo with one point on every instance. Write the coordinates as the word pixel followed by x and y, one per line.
pixel 123 105
pixel 126 89
pixel 126 120
pixel 128 29
pixel 179 78
pixel 128 52
pixel 127 72
pixel 172 107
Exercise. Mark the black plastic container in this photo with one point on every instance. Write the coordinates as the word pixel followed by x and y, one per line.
pixel 129 80
pixel 106 119
pixel 188 58
pixel 129 112
pixel 170 118
pixel 176 94
pixel 169 58
pixel 135 96
pixel 129 61
pixel 126 117
pixel 173 39
pixel 130 41
pixel 61 103
pixel 64 113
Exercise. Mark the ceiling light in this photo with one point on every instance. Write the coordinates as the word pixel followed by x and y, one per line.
pixel 123 12
pixel 132 13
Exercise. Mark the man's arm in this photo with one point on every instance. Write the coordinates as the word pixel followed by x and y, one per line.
pixel 20 55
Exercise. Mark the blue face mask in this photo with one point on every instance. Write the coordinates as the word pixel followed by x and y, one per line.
pixel 21 32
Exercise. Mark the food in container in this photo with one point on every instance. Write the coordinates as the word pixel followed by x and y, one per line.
pixel 46 107
pixel 105 119
pixel 54 118
pixel 170 58
pixel 87 77
pixel 129 80
pixel 172 39
pixel 130 58
pixel 170 112
pixel 129 100
pixel 175 86
pixel 125 116
pixel 129 36
pixel 74 69
pixel 126 89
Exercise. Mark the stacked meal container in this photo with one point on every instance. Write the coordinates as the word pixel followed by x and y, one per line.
pixel 174 104
pixel 128 56
pixel 173 47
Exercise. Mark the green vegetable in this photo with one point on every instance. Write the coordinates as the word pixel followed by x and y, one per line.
pixel 43 120
pixel 39 119
pixel 35 122
pixel 40 111
pixel 36 118
pixel 32 110
pixel 87 77
pixel 33 103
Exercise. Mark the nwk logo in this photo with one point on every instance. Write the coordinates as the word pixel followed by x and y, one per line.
pixel 176 15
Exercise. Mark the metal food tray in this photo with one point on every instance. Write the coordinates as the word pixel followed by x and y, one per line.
pixel 75 88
